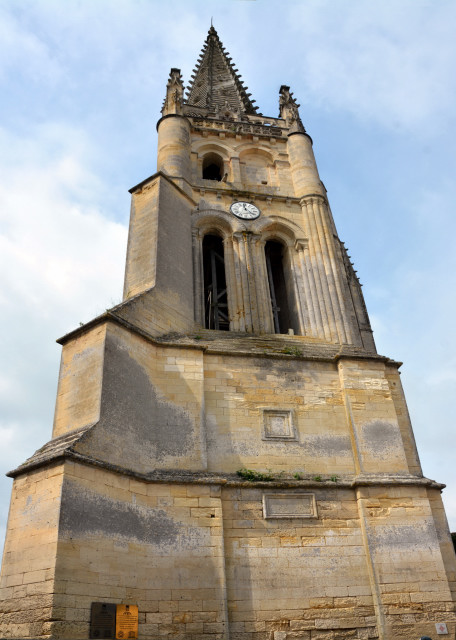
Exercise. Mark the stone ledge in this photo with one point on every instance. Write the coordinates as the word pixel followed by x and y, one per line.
pixel 240 344
pixel 56 453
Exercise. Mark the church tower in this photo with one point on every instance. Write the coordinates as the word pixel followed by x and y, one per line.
pixel 229 454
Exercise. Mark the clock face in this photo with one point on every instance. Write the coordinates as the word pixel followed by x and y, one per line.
pixel 245 210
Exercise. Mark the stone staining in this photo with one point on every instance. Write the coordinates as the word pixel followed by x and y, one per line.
pixel 329 530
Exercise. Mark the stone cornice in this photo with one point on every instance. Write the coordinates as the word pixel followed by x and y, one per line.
pixel 300 133
pixel 232 479
pixel 244 194
pixel 160 174
pixel 239 344
pixel 170 115
pixel 235 128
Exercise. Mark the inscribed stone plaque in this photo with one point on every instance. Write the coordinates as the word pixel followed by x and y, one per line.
pixel 127 622
pixel 289 505
pixel 278 425
pixel 103 620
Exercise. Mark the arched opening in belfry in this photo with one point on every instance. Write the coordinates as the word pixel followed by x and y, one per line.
pixel 212 167
pixel 215 293
pixel 279 287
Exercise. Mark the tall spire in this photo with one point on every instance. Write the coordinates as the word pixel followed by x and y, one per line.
pixel 215 83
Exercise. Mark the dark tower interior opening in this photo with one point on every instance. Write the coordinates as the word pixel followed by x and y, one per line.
pixel 212 167
pixel 215 295
pixel 277 287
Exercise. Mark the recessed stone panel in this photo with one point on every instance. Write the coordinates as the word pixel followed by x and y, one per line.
pixel 278 425
pixel 289 505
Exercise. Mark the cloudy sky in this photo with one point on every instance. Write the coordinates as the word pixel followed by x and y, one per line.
pixel 82 84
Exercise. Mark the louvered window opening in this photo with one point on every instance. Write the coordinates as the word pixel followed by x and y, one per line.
pixel 277 286
pixel 215 293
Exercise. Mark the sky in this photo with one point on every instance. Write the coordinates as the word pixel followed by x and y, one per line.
pixel 82 84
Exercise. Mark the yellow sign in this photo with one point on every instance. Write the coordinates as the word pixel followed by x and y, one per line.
pixel 126 622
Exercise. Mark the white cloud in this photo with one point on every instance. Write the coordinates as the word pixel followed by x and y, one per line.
pixel 24 53
pixel 389 62
pixel 61 261
pixel 57 250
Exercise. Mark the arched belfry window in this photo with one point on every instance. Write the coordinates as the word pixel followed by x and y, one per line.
pixel 215 293
pixel 279 287
pixel 212 167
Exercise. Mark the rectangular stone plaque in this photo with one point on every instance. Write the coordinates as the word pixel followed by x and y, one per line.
pixel 278 425
pixel 441 628
pixel 127 622
pixel 289 505
pixel 102 620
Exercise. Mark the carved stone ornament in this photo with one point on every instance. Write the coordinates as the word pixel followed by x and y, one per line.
pixel 174 94
pixel 289 110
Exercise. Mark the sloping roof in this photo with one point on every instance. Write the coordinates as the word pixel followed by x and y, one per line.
pixel 215 82
pixel 52 450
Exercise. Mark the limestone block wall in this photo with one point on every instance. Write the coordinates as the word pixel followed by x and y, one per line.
pixel 158 289
pixel 28 571
pixel 403 419
pixel 126 541
pixel 411 577
pixel 80 379
pixel 187 407
pixel 151 414
pixel 208 558
pixel 294 577
pixel 445 542
pixel 241 397
pixel 378 442
pixel 353 400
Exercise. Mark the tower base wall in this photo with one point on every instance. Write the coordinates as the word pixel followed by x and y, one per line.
pixel 223 558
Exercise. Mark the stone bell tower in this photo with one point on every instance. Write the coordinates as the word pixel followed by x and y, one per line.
pixel 229 452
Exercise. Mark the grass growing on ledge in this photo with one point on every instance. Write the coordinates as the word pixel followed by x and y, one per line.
pixel 252 476
pixel 292 351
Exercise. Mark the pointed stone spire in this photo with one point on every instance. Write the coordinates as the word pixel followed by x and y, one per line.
pixel 289 110
pixel 215 83
pixel 174 94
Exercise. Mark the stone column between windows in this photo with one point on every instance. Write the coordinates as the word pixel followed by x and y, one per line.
pixel 317 275
pixel 235 171
pixel 234 292
pixel 254 277
pixel 301 289
pixel 266 321
pixel 197 246
pixel 241 260
pixel 241 279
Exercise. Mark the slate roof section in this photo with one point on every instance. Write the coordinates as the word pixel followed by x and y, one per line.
pixel 52 450
pixel 215 83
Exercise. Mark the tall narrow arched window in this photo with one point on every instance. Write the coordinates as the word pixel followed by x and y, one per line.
pixel 279 279
pixel 215 293
pixel 212 167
